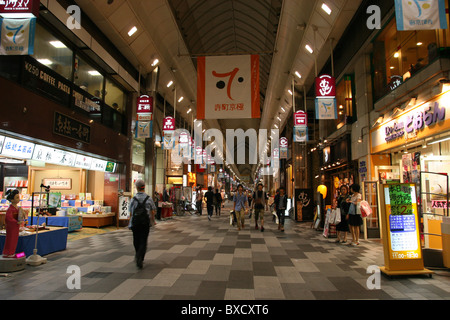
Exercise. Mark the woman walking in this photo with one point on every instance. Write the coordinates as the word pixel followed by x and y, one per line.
pixel 342 227
pixel 354 219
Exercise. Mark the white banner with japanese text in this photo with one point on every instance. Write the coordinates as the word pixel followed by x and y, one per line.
pixel 17 36
pixel 228 87
pixel 420 14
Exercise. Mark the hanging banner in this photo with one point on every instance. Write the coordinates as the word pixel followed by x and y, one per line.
pixel 144 110
pixel 12 7
pixel 17 36
pixel 228 87
pixel 420 14
pixel 284 145
pixel 168 131
pixel 300 134
pixel 326 109
pixel 144 129
pixel 300 119
pixel 325 87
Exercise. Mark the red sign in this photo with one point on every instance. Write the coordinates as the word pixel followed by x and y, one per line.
pixel 144 109
pixel 325 87
pixel 300 119
pixel 169 124
pixel 284 142
pixel 19 6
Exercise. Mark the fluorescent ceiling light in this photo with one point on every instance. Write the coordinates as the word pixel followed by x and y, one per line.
pixel 282 109
pixel 326 8
pixel 181 99
pixel 94 73
pixel 155 62
pixel 298 74
pixel 419 43
pixel 308 47
pixel 396 55
pixel 132 31
pixel 169 84
pixel 439 141
pixel 189 111
pixel 290 92
pixel 45 62
pixel 58 44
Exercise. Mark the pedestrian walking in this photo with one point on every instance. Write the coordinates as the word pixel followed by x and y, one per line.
pixel 240 206
pixel 259 204
pixel 280 206
pixel 218 202
pixel 209 196
pixel 142 217
pixel 199 201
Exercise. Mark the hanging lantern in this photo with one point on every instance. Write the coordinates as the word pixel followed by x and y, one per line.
pixel 323 190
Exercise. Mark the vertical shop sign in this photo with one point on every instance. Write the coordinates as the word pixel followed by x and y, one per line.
pixel 402 248
pixel 17 36
pixel 144 109
pixel 300 134
pixel 168 131
pixel 228 87
pixel 326 109
pixel 124 203
pixel 420 14
pixel 144 129
pixel 284 144
pixel 300 119
pixel 326 106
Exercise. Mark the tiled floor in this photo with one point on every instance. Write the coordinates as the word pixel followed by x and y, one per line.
pixel 191 258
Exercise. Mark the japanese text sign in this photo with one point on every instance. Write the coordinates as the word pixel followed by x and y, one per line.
pixel 420 15
pixel 19 7
pixel 300 119
pixel 144 108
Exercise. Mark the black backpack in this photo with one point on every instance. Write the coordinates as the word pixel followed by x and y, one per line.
pixel 140 216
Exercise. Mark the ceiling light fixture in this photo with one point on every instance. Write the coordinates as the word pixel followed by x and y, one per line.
pixel 45 62
pixel 189 111
pixel 308 47
pixel 298 74
pixel 169 84
pixel 326 8
pixel 94 73
pixel 155 62
pixel 58 44
pixel 132 31
pixel 181 99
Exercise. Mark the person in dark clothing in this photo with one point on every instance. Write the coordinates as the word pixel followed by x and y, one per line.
pixel 342 227
pixel 280 206
pixel 141 231
pixel 259 204
pixel 209 195
pixel 217 201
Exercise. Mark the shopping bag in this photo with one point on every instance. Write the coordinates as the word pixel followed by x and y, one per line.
pixel 366 210
pixel 337 216
pixel 352 209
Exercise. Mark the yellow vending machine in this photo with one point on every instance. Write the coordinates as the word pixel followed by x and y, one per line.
pixel 401 232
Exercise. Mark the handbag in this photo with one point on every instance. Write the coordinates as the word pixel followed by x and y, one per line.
pixel 352 209
pixel 366 210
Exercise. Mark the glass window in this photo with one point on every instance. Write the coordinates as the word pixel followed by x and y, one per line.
pixel 398 55
pixel 114 96
pixel 88 78
pixel 51 52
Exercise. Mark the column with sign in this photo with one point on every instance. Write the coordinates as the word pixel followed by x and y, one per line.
pixel 401 240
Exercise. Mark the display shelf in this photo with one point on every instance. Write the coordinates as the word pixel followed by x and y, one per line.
pixel 98 220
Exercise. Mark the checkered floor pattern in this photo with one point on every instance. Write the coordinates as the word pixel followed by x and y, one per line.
pixel 192 258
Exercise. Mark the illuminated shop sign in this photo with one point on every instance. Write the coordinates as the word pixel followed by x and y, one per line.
pixel 415 121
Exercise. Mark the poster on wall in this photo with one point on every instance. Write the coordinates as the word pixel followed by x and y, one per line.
pixel 304 205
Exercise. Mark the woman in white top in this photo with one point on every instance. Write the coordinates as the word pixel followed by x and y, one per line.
pixel 355 220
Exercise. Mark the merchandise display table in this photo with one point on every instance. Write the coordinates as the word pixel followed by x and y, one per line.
pixel 72 222
pixel 49 241
pixel 166 211
pixel 98 220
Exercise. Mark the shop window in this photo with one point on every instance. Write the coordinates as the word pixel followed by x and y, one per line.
pixel 399 55
pixel 115 97
pixel 88 78
pixel 52 53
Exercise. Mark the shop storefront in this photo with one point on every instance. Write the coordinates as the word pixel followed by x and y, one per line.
pixel 417 143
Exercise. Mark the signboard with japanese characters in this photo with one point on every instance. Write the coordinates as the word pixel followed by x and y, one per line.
pixel 168 130
pixel 144 129
pixel 17 36
pixel 284 145
pixel 17 148
pixel 58 184
pixel 54 156
pixel 144 109
pixel 420 15
pixel 12 7
pixel 71 128
pixel 325 87
pixel 124 204
pixel 300 119
pixel 98 165
pixel 83 162
pixel 300 134
pixel 228 87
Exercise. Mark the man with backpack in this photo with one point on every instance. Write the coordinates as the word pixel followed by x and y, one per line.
pixel 259 204
pixel 142 217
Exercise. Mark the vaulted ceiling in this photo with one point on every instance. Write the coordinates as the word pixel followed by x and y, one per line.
pixel 178 31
